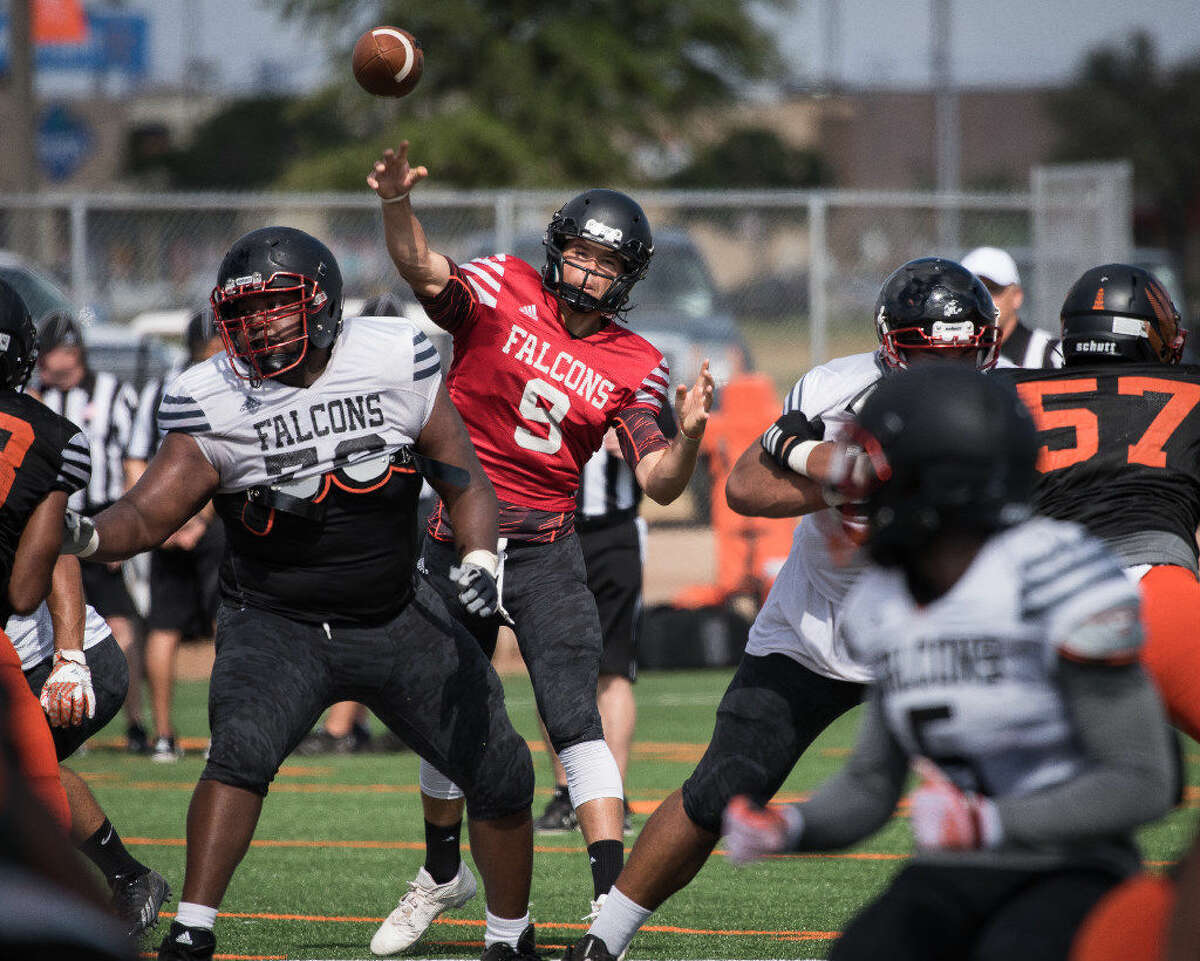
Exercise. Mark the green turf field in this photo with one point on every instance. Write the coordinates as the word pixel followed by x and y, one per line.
pixel 340 836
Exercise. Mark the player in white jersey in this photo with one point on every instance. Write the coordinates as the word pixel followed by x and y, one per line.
pixel 311 437
pixel 75 666
pixel 795 678
pixel 1004 650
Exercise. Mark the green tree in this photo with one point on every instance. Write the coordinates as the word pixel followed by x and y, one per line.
pixel 1124 103
pixel 525 92
pixel 755 157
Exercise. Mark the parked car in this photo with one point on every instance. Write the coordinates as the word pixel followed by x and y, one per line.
pixel 42 295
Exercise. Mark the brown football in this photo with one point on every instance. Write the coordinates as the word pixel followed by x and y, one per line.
pixel 388 61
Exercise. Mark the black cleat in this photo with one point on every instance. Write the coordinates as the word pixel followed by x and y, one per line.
pixel 526 949
pixel 137 900
pixel 588 948
pixel 559 816
pixel 187 944
pixel 136 740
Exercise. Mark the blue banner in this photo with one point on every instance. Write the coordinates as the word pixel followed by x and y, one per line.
pixel 117 43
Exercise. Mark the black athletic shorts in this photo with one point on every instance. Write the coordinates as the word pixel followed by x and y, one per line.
pixel 421 673
pixel 110 682
pixel 773 709
pixel 105 590
pixel 558 630
pixel 613 558
pixel 183 585
pixel 974 913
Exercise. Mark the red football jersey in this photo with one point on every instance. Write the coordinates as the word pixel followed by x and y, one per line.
pixel 536 400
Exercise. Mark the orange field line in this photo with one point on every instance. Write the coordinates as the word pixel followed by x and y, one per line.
pixel 561 925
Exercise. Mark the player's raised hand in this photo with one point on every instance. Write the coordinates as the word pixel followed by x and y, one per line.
pixel 693 404
pixel 392 177
pixel 68 696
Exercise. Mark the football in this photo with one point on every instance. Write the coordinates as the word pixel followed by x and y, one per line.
pixel 388 62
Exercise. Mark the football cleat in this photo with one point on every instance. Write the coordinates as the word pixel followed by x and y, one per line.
pixel 187 944
pixel 526 949
pixel 423 902
pixel 594 913
pixel 559 816
pixel 166 750
pixel 136 741
pixel 588 948
pixel 138 899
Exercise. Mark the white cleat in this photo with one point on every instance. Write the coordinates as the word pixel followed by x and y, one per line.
pixel 423 902
pixel 595 913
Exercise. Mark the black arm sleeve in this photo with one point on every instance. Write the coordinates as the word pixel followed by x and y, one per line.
pixel 452 306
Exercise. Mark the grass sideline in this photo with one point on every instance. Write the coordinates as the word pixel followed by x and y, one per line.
pixel 340 837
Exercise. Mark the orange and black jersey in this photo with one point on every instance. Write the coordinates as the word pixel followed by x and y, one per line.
pixel 1120 454
pixel 40 452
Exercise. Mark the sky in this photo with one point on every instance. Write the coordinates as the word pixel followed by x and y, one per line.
pixel 879 42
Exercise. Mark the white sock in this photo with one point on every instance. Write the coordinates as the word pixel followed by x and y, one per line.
pixel 618 922
pixel 507 930
pixel 196 915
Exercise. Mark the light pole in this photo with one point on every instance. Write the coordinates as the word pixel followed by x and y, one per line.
pixel 946 128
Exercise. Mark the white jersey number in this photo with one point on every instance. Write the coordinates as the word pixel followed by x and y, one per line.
pixel 559 403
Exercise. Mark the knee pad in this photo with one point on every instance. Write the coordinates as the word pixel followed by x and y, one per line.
pixel 592 772
pixel 436 785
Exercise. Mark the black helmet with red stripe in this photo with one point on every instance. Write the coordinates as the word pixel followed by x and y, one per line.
pixel 279 291
pixel 1118 312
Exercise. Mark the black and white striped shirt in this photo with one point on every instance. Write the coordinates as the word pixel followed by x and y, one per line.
pixel 1031 347
pixel 103 407
pixel 146 436
pixel 608 492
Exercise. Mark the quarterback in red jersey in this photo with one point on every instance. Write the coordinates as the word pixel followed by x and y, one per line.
pixel 542 369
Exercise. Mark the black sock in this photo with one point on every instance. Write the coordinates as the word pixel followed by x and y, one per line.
pixel 441 851
pixel 105 850
pixel 607 858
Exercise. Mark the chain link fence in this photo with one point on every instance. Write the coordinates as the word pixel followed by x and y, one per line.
pixel 768 280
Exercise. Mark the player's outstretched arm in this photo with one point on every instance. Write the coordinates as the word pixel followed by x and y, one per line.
pixel 37 553
pixel 472 509
pixel 176 484
pixel 664 474
pixel 425 271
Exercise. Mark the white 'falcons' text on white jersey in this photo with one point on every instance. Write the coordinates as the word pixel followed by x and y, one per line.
pixel 799 618
pixel 375 396
pixel 969 680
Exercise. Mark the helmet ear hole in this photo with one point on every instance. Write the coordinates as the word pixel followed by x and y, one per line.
pixel 1120 312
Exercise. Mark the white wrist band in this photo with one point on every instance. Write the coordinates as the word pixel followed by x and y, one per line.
pixel 485 559
pixel 92 545
pixel 797 457
pixel 394 200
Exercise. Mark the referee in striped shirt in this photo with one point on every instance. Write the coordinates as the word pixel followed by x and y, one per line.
pixel 612 538
pixel 184 570
pixel 1021 344
pixel 104 408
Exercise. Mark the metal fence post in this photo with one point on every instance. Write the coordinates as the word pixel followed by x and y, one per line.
pixel 505 220
pixel 81 285
pixel 818 278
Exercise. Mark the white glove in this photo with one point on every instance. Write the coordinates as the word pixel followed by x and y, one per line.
pixel 476 579
pixel 948 819
pixel 79 534
pixel 67 695
pixel 752 832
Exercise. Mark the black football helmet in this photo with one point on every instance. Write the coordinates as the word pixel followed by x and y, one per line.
pixel 932 304
pixel 1118 312
pixel 953 449
pixel 611 219
pixel 18 340
pixel 304 275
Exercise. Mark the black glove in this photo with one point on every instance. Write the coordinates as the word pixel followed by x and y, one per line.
pixel 786 432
